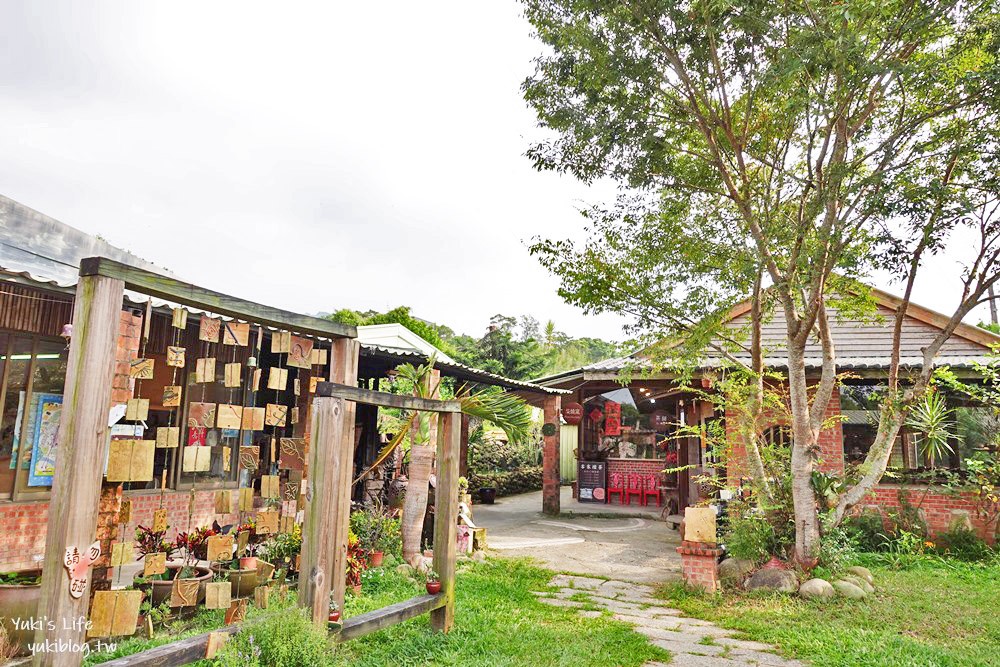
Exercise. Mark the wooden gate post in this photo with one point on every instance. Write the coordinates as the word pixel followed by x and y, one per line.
pixel 76 486
pixel 343 370
pixel 550 457
pixel 446 515
pixel 319 544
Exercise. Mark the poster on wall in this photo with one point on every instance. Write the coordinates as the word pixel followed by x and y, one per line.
pixel 45 439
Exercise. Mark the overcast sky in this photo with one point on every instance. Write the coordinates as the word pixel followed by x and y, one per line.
pixel 304 155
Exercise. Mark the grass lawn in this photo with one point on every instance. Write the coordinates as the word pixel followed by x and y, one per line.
pixel 927 614
pixel 497 622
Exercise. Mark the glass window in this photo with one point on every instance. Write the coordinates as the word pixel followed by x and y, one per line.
pixel 17 361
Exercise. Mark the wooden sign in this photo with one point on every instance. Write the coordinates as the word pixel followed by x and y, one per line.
pixel 233 375
pixel 229 416
pixel 220 548
pixel 270 486
pixel 155 563
pixel 261 596
pixel 216 641
pixel 237 612
pixel 197 459
pixel 184 593
pixel 201 415
pixel 250 457
pixel 277 378
pixel 179 319
pixel 318 357
pixel 141 369
pixel 281 342
pixel 236 333
pixel 218 595
pixel 246 499
pixel 122 553
pixel 293 453
pixel 224 502
pixel 253 419
pixel 168 437
pixel 159 521
pixel 275 415
pixel 227 458
pixel 204 369
pixel 125 511
pixel 300 352
pixel 172 396
pixel 242 540
pixel 137 409
pixel 267 522
pixel 175 356
pixel 208 330
pixel 114 613
pixel 572 413
pixel 313 381
pixel 130 460
pixel 255 381
pixel 78 566
pixel 264 570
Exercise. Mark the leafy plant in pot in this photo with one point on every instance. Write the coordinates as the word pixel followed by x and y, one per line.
pixel 433 582
pixel 356 559
pixel 334 617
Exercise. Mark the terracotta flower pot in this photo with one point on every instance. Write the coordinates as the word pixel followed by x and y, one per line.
pixel 248 563
pixel 357 590
pixel 335 616
pixel 20 602
pixel 244 581
pixel 433 587
pixel 375 559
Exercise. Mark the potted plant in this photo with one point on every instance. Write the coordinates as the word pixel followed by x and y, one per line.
pixel 19 596
pixel 243 570
pixel 356 558
pixel 463 491
pixel 195 547
pixel 433 582
pixel 488 494
pixel 281 549
pixel 334 618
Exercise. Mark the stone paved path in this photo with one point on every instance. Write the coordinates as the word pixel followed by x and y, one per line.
pixel 691 641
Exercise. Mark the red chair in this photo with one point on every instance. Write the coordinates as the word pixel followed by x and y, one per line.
pixel 634 488
pixel 652 488
pixel 616 485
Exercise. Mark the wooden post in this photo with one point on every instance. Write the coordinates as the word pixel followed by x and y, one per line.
pixel 343 370
pixel 319 545
pixel 550 457
pixel 463 457
pixel 76 487
pixel 446 516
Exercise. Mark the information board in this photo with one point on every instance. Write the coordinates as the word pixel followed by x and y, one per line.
pixel 591 480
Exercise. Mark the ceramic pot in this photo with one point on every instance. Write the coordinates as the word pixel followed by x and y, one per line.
pixel 375 559
pixel 20 602
pixel 433 587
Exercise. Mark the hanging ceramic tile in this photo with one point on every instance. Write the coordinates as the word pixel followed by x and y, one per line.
pixel 242 540
pixel 236 333
pixel 125 511
pixel 205 370
pixel 208 330
pixel 261 596
pixel 168 436
pixel 249 457
pixel 227 458
pixel 159 521
pixel 224 502
pixel 216 642
pixel 255 381
pixel 122 553
pixel 233 375
pixel 318 357
pixel 220 548
pixel 218 594
pixel 253 419
pixel 114 613
pixel 281 342
pixel 300 352
pixel 246 499
pixel 229 416
pixel 293 416
pixel 179 319
pixel 270 486
pixel 172 396
pixel 155 563
pixel 197 436
pixel 313 381
pixel 297 387
pixel 237 612
pixel 291 490
pixel 137 409
pixel 277 378
pixel 141 369
pixel 264 571
pixel 293 453
pixel 201 415
pixel 175 356
pixel 130 460
pixel 184 593
pixel 289 508
pixel 275 414
pixel 197 459
pixel 286 524
pixel 267 522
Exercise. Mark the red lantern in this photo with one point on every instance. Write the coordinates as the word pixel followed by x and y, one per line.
pixel 572 413
pixel 596 415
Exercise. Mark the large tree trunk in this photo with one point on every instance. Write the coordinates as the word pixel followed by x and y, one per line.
pixel 421 466
pixel 804 447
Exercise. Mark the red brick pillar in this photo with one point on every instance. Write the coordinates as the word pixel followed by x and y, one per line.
pixel 550 456
pixel 699 565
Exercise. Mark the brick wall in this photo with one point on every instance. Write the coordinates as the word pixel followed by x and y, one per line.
pixel 939 510
pixel 176 503
pixel 129 334
pixel 699 565
pixel 22 526
pixel 635 466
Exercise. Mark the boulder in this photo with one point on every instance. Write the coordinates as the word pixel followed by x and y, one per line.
pixel 389 561
pixel 862 572
pixel 817 589
pixel 404 568
pixel 849 590
pixel 733 571
pixel 859 582
pixel 479 556
pixel 773 579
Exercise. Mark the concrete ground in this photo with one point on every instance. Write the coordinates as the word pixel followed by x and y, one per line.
pixel 624 543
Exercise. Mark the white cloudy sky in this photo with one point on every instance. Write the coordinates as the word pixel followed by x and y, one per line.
pixel 305 155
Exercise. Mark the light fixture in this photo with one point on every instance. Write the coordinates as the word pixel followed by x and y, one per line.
pixel 652 400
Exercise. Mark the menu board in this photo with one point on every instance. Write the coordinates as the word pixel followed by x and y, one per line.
pixel 591 479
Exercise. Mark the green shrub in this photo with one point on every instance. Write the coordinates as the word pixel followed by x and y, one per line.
pixel 750 536
pixel 285 638
pixel 837 549
pixel 964 544
pixel 507 482
pixel 867 531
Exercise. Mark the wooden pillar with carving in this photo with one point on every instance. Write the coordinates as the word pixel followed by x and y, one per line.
pixel 550 455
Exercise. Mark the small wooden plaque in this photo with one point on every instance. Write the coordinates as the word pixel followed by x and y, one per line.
pixel 220 548
pixel 201 415
pixel 172 395
pixel 297 387
pixel 318 357
pixel 204 369
pixel 184 593
pixel 197 459
pixel 253 419
pixel 270 486
pixel 159 521
pixel 175 356
pixel 141 369
pixel 209 329
pixel 255 383
pixel 236 333
pixel 313 381
pixel 293 416
pixel 275 414
pixel 137 409
pixel 277 378
pixel 246 499
pixel 233 375
pixel 237 612
pixel 293 453
pixel 122 553
pixel 250 457
pixel 114 613
pixel 224 502
pixel 216 640
pixel 286 524
pixel 300 354
pixel 168 437
pixel 242 540
pixel 179 319
pixel 267 522
pixel 229 416
pixel 281 342
pixel 227 458
pixel 264 571
pixel 130 460
pixel 155 563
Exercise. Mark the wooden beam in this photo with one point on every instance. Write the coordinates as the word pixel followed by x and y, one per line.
pixel 344 371
pixel 187 294
pixel 319 544
pixel 385 399
pixel 76 488
pixel 372 621
pixel 446 516
pixel 550 457
pixel 182 652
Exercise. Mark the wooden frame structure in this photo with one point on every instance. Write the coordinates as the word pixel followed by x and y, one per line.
pixel 327 452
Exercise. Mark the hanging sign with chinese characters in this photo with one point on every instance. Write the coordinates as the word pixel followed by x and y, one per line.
pixel 572 413
pixel 612 418
pixel 78 566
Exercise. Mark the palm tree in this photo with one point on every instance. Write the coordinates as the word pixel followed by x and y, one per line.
pixel 506 411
